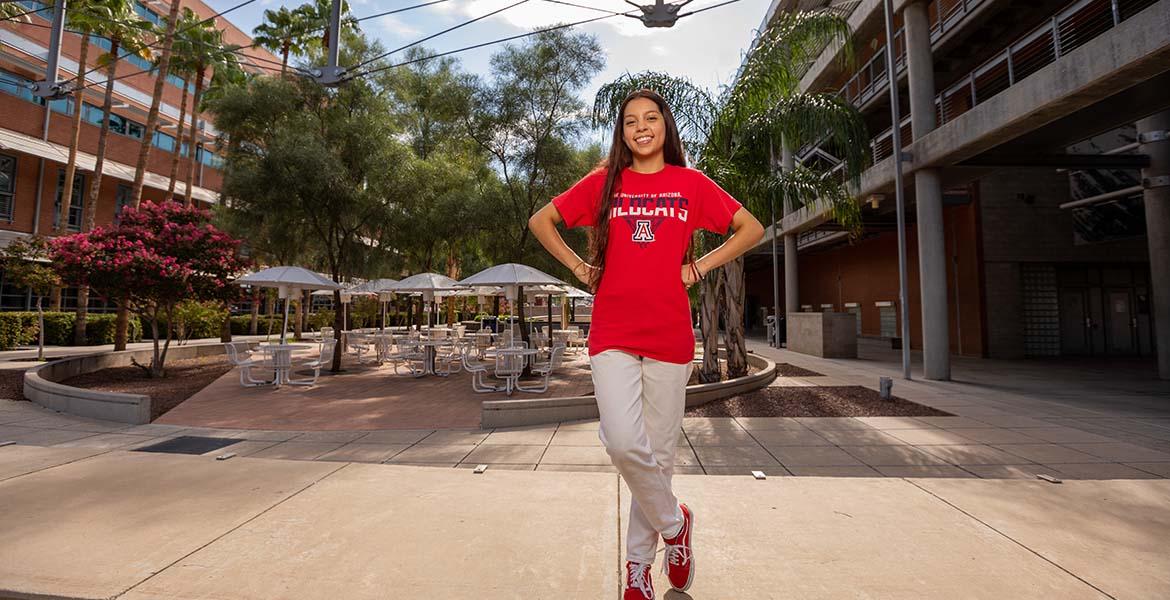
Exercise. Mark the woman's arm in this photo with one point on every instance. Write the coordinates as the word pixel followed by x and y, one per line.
pixel 544 226
pixel 746 233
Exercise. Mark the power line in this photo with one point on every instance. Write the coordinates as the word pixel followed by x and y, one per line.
pixel 483 44
pixel 255 43
pixel 184 30
pixel 586 7
pixel 706 8
pixel 435 35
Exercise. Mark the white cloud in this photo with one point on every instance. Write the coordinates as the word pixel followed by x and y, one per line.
pixel 396 27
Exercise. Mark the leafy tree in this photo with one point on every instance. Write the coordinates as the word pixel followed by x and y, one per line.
pixel 117 21
pixel 164 69
pixel 526 116
pixel 283 31
pixel 26 265
pixel 326 162
pixel 206 52
pixel 154 259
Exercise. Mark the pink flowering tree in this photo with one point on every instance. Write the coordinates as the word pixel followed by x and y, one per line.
pixel 156 257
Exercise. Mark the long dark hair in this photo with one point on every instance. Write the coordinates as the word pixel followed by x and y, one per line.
pixel 619 158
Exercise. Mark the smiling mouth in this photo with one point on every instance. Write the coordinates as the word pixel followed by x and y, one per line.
pixel 644 140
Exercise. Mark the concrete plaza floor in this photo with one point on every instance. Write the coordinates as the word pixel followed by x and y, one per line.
pixel 88 523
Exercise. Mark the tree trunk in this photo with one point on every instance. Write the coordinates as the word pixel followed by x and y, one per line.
pixel 179 132
pixel 55 299
pixel 284 58
pixel 62 223
pixel 255 312
pixel 95 187
pixel 299 316
pixel 709 325
pixel 40 329
pixel 164 65
pixel 187 198
pixel 733 318
pixel 121 326
pixel 225 328
pixel 338 328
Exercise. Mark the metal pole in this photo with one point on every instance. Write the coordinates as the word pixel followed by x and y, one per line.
pixel 331 74
pixel 49 88
pixel 774 341
pixel 899 194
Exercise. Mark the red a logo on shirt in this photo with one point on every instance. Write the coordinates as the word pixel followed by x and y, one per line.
pixel 642 231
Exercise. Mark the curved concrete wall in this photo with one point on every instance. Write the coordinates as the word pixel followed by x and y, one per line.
pixel 41 387
pixel 537 411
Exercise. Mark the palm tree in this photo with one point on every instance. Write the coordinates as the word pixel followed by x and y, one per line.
pixel 183 67
pixel 80 18
pixel 207 53
pixel 164 69
pixel 764 108
pixel 118 22
pixel 283 31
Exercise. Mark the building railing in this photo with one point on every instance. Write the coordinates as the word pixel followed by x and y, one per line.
pixel 1070 28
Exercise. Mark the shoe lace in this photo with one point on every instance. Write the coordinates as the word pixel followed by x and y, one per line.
pixel 638 573
pixel 674 554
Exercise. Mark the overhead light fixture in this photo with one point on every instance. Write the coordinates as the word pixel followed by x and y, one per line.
pixel 660 14
pixel 875 200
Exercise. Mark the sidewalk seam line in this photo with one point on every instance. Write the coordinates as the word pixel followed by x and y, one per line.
pixel 229 531
pixel 107 451
pixel 1010 538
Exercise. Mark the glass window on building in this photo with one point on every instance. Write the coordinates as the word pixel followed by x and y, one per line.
pixel 121 200
pixel 78 205
pixel 7 186
pixel 11 296
pixel 164 141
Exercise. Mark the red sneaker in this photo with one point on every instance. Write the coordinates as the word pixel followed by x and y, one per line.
pixel 678 562
pixel 638 585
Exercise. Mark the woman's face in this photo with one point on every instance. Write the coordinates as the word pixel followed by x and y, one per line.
pixel 643 127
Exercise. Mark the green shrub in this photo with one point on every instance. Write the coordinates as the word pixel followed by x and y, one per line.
pixel 321 318
pixel 196 320
pixel 241 324
pixel 59 328
pixel 100 329
pixel 12 331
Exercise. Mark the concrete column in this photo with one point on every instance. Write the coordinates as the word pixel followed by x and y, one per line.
pixel 1157 200
pixel 932 267
pixel 791 270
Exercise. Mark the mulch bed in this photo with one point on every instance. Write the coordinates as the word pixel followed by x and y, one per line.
pixel 787 370
pixel 834 401
pixel 12 384
pixel 183 379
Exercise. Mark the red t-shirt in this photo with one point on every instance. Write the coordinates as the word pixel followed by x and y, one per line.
pixel 641 304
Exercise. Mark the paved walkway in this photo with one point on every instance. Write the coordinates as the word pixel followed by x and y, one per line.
pixel 87 523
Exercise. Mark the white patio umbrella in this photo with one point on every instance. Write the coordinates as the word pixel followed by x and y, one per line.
pixel 428 284
pixel 514 277
pixel 287 281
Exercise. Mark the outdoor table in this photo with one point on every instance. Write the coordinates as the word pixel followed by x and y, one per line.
pixel 523 353
pixel 281 357
pixel 429 346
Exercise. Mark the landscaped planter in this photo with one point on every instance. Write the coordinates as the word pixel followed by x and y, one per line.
pixel 41 387
pixel 537 411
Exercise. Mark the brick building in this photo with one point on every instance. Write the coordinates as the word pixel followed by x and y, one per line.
pixel 35 135
pixel 1038 206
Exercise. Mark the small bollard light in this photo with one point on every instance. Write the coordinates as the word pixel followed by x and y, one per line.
pixel 886 385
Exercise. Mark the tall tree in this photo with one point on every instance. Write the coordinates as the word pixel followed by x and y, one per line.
pixel 525 116
pixel 118 22
pixel 164 70
pixel 183 67
pixel 318 157
pixel 283 31
pixel 208 55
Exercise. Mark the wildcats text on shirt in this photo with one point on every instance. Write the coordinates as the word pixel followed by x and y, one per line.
pixel 666 204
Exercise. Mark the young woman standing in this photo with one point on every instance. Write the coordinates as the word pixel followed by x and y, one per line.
pixel 644 204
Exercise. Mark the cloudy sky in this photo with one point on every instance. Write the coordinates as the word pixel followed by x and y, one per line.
pixel 706 47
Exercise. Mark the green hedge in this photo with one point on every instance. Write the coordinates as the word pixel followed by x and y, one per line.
pixel 241 324
pixel 20 329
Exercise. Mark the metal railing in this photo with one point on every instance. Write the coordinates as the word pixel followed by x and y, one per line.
pixel 1070 28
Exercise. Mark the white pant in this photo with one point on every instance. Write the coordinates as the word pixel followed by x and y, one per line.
pixel 641 403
